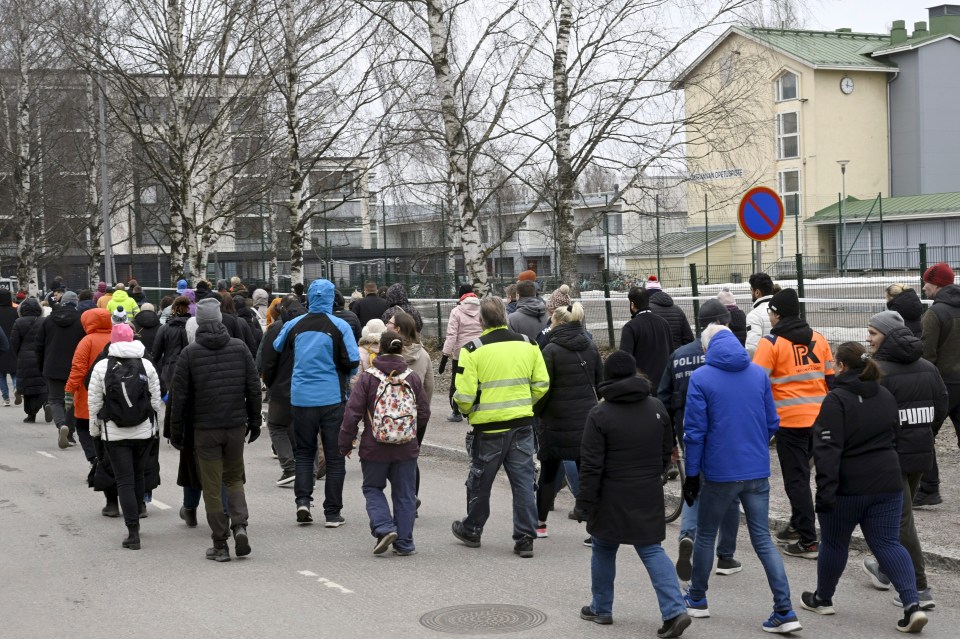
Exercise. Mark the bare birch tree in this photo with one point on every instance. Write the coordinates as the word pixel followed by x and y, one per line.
pixel 460 64
pixel 610 65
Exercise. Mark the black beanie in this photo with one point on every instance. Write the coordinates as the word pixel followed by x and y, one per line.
pixel 619 364
pixel 785 303
pixel 713 311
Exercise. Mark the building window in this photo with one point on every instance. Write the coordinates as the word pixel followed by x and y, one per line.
pixel 790 192
pixel 787 87
pixel 411 239
pixel 788 135
pixel 614 224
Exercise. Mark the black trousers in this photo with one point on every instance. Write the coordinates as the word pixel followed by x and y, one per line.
pixel 930 482
pixel 547 488
pixel 794 448
pixel 127 458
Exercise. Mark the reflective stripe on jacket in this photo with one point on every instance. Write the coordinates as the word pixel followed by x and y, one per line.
pixel 503 375
pixel 798 376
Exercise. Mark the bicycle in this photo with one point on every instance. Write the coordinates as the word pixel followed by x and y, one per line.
pixel 673 486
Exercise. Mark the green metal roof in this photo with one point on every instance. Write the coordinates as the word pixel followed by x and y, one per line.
pixel 678 244
pixel 894 208
pixel 913 43
pixel 825 49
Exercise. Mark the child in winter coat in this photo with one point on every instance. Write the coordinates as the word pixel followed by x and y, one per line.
pixel 369 346
pixel 381 461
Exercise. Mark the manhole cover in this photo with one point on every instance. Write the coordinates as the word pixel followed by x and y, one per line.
pixel 483 619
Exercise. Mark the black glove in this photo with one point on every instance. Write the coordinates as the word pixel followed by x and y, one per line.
pixel 176 442
pixel 580 514
pixel 253 432
pixel 443 364
pixel 691 488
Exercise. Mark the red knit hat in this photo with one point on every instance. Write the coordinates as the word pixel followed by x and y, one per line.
pixel 939 274
pixel 653 284
pixel 527 276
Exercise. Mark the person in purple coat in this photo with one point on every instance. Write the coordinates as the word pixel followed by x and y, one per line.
pixel 381 461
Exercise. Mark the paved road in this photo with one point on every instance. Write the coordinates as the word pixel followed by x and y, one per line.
pixel 63 572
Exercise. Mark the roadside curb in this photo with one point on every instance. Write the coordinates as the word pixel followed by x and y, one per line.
pixel 932 556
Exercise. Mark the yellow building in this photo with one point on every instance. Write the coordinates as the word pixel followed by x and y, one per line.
pixel 783 108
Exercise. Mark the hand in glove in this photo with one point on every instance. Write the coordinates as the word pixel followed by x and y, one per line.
pixel 580 514
pixel 176 442
pixel 443 364
pixel 824 506
pixel 253 432
pixel 691 488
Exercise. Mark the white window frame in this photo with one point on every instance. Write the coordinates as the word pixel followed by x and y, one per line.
pixel 778 86
pixel 782 137
pixel 784 193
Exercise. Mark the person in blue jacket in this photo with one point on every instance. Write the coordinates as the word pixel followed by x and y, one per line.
pixel 325 357
pixel 730 417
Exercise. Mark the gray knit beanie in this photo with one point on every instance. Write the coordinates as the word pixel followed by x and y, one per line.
pixel 208 310
pixel 886 321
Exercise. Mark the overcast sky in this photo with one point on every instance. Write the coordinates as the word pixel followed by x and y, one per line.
pixel 869 16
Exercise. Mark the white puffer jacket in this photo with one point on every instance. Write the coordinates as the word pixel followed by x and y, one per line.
pixel 97 391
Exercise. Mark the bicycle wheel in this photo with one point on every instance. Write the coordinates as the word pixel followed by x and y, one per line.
pixel 673 493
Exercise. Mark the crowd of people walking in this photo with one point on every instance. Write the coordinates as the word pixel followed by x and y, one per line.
pixel 116 377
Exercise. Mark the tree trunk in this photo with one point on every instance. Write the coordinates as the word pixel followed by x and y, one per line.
pixel 22 185
pixel 95 247
pixel 566 180
pixel 180 206
pixel 456 148
pixel 295 175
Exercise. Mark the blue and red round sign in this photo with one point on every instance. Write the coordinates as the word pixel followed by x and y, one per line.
pixel 761 214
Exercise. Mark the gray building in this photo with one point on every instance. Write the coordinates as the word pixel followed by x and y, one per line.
pixel 924 134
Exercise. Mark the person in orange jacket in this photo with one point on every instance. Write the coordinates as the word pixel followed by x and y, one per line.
pixel 97 325
pixel 800 365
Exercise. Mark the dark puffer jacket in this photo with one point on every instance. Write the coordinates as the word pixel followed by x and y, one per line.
pixel 215 384
pixel 662 305
pixel 146 325
pixel 575 369
pixel 8 315
pixel 854 442
pixel 941 332
pixel 249 317
pixel 920 393
pixel 23 342
pixel 57 339
pixel 626 447
pixel 397 297
pixel 738 323
pixel 277 368
pixel 171 339
pixel 647 338
pixel 910 307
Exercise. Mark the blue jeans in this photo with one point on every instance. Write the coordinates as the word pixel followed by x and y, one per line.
pixel 403 479
pixel 308 422
pixel 191 497
pixel 514 451
pixel 663 577
pixel 879 520
pixel 4 389
pixel 573 476
pixel 715 501
pixel 729 526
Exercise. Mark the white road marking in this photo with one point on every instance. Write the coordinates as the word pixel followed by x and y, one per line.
pixel 326 582
pixel 159 504
pixel 46 454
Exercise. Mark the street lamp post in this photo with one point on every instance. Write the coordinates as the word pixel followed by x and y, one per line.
pixel 843 202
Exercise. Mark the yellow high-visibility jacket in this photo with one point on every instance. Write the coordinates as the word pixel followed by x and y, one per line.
pixel 501 377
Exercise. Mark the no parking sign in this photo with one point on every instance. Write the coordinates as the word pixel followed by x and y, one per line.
pixel 761 214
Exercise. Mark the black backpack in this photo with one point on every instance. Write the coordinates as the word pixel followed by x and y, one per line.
pixel 127 392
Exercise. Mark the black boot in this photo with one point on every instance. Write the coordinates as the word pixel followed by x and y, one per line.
pixel 189 515
pixel 220 551
pixel 242 541
pixel 133 537
pixel 112 509
pixel 143 510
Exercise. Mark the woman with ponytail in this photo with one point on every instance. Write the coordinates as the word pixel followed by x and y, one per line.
pixel 859 483
pixel 390 400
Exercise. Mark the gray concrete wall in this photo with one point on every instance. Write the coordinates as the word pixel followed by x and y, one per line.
pixel 905 126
